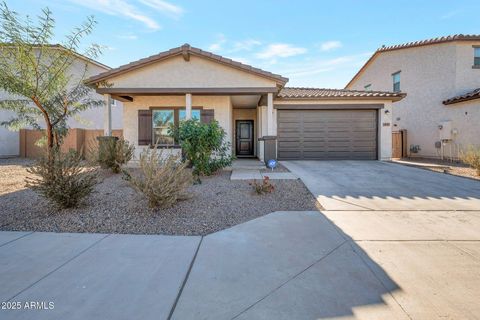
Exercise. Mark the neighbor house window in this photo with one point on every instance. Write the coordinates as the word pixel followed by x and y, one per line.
pixel 476 57
pixel 162 119
pixel 396 81
pixel 368 87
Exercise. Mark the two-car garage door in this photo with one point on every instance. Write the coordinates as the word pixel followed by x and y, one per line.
pixel 327 134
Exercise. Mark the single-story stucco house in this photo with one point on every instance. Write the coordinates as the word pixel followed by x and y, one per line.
pixel 262 117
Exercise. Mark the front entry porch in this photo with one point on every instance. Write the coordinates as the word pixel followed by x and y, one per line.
pixel 244 115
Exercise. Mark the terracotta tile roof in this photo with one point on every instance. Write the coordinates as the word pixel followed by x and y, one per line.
pixel 455 37
pixel 471 95
pixel 451 38
pixel 186 50
pixel 321 93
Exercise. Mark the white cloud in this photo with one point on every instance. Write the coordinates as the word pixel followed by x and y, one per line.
pixel 330 45
pixel 218 45
pixel 281 50
pixel 314 72
pixel 451 14
pixel 245 45
pixel 119 8
pixel 128 36
pixel 164 7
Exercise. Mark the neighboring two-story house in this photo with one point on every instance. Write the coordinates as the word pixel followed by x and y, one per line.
pixel 441 78
pixel 88 119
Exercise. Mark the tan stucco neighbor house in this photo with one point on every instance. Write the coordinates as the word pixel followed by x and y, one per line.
pixel 441 77
pixel 87 119
pixel 262 117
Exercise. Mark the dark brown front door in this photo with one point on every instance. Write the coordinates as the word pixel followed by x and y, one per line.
pixel 244 143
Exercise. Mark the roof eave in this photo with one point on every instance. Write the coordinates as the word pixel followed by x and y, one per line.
pixel 280 80
pixel 393 99
pixel 454 101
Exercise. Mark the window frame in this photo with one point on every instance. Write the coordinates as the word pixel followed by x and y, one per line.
pixel 476 57
pixel 176 122
pixel 399 81
pixel 154 141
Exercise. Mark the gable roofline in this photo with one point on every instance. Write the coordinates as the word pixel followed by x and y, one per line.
pixel 414 44
pixel 83 57
pixel 76 54
pixel 186 50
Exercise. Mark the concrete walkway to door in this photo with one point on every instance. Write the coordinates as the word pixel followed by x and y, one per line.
pixel 376 185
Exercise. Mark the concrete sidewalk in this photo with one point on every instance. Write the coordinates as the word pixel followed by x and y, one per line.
pixel 285 265
pixel 93 276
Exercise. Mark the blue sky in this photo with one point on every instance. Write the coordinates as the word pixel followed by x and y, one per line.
pixel 314 43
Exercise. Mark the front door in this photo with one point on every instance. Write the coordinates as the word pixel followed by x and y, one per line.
pixel 244 143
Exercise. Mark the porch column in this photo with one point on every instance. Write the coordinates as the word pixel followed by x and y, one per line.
pixel 188 106
pixel 107 115
pixel 270 114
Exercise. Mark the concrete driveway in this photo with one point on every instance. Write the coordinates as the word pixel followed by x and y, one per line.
pixel 396 243
pixel 375 185
pixel 286 265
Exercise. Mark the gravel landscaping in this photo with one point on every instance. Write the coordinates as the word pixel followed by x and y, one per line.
pixel 114 207
pixel 455 168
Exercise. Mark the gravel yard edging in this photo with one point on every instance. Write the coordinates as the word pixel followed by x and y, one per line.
pixel 114 207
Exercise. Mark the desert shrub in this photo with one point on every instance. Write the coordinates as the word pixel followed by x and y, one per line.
pixel 264 187
pixel 472 157
pixel 203 145
pixel 162 179
pixel 61 178
pixel 112 153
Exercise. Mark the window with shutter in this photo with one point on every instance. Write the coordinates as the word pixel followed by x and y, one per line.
pixel 144 127
pixel 207 116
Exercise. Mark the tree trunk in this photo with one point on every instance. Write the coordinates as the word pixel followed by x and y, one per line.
pixel 50 139
pixel 49 131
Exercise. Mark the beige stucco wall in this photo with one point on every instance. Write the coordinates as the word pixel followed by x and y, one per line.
pixel 384 120
pixel 221 104
pixel 175 72
pixel 93 118
pixel 429 75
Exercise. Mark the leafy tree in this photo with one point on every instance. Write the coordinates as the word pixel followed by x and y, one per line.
pixel 37 75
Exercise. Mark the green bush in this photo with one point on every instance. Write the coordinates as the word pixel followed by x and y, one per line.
pixel 112 153
pixel 203 145
pixel 162 179
pixel 472 158
pixel 61 178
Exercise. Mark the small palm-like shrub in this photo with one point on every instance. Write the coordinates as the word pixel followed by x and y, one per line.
pixel 112 153
pixel 264 187
pixel 61 178
pixel 472 158
pixel 163 179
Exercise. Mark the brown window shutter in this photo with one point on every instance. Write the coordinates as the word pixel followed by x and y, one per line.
pixel 144 127
pixel 207 116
